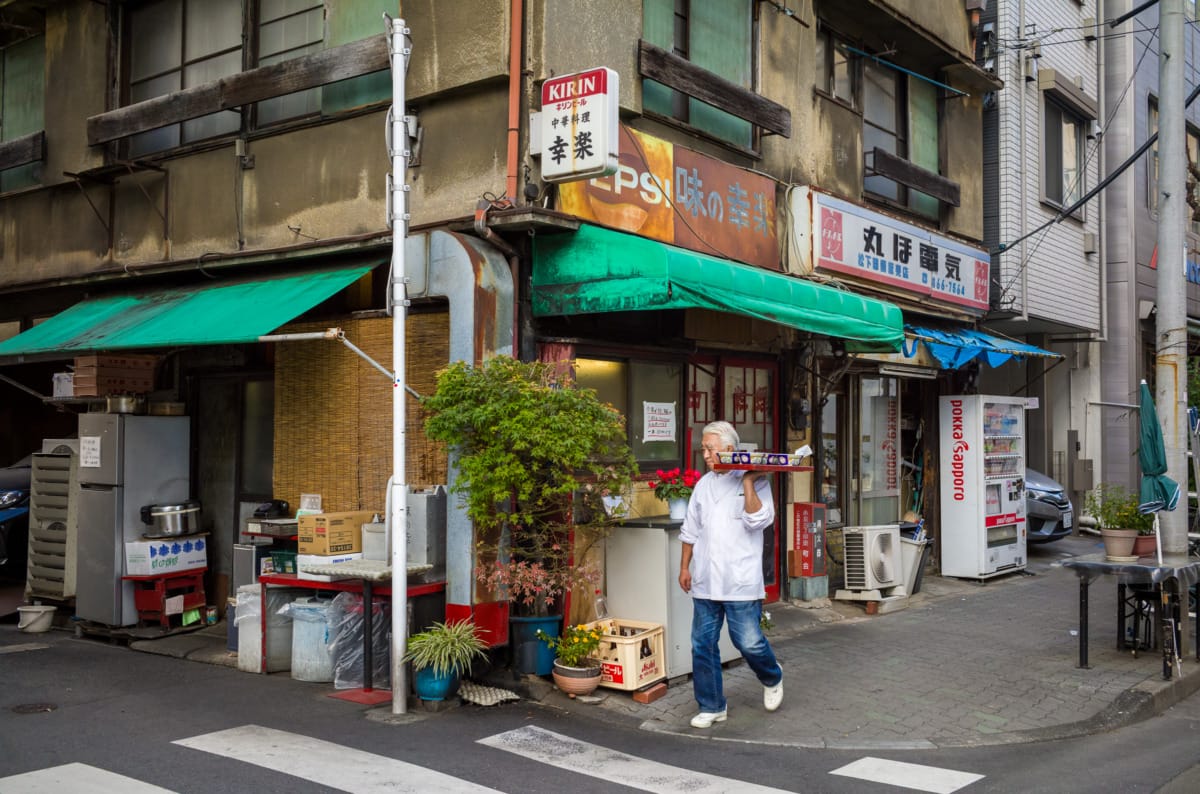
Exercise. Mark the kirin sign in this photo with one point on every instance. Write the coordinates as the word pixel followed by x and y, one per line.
pixel 579 125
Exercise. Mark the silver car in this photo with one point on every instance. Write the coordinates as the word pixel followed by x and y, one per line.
pixel 1048 512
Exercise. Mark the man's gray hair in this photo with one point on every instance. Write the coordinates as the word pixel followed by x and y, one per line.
pixel 725 431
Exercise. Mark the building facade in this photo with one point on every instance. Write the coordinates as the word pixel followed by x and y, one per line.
pixel 795 182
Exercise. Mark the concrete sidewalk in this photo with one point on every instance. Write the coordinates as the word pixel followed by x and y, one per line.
pixel 966 664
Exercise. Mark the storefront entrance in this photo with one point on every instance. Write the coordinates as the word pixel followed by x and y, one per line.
pixel 742 392
pixel 872 446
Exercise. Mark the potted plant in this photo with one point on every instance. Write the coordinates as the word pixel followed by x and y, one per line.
pixel 440 655
pixel 533 459
pixel 1115 510
pixel 675 488
pixel 575 671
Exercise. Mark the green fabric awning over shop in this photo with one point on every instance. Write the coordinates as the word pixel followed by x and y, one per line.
pixel 596 270
pixel 208 314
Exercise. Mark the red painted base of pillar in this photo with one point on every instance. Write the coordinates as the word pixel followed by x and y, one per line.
pixel 367 697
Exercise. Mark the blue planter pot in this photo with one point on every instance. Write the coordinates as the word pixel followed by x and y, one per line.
pixel 531 655
pixel 431 686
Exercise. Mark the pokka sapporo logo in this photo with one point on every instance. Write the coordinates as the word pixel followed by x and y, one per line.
pixel 831 234
pixel 958 451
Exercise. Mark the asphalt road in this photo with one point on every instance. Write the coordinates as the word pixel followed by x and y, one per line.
pixel 187 727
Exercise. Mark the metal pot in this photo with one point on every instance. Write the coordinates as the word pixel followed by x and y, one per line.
pixel 167 521
pixel 125 404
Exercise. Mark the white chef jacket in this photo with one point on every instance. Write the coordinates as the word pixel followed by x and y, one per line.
pixel 727 542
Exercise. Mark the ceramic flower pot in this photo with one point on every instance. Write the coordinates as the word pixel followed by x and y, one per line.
pixel 677 509
pixel 1145 546
pixel 431 686
pixel 576 680
pixel 1118 543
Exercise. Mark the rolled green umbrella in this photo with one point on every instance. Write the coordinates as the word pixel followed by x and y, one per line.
pixel 1158 491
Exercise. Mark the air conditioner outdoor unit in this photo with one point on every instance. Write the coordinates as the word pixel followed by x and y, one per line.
pixel 872 563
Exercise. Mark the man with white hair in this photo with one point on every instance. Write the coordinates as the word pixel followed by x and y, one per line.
pixel 721 567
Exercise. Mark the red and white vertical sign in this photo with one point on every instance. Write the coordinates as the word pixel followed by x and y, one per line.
pixel 579 125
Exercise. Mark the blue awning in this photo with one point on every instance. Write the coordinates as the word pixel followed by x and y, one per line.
pixel 959 346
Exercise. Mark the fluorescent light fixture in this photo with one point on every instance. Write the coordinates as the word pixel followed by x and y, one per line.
pixel 923 373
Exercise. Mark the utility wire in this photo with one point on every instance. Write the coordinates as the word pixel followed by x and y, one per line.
pixel 1083 169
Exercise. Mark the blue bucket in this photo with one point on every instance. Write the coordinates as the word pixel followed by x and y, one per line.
pixel 530 654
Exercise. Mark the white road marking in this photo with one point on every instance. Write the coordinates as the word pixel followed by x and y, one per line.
pixel 77 779
pixel 334 765
pixel 551 748
pixel 914 776
pixel 25 646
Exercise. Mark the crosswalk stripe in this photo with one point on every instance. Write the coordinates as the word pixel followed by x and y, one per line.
pixel 334 765
pixel 77 779
pixel 552 748
pixel 914 776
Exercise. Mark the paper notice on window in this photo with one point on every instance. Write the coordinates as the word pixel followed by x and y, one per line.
pixel 658 421
pixel 89 452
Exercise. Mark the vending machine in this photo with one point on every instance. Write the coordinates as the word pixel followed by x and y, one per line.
pixel 982 485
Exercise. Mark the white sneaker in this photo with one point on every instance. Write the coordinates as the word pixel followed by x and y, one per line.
pixel 705 719
pixel 773 696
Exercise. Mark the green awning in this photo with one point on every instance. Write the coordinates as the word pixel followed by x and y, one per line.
pixel 207 314
pixel 597 270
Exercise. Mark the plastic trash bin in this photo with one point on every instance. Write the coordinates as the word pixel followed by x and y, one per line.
pixel 311 659
pixel 279 629
pixel 912 562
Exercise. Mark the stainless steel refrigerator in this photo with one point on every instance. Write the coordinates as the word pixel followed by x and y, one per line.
pixel 125 461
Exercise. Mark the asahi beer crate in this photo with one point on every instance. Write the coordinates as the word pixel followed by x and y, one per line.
pixel 631 653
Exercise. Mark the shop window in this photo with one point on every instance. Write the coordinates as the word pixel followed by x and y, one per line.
pixel 1062 154
pixel 831 457
pixel 647 393
pixel 22 101
pixel 716 35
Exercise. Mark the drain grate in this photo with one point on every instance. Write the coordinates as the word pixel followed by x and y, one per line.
pixel 33 708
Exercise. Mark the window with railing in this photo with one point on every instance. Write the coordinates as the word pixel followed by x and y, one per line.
pixel 715 35
pixel 226 49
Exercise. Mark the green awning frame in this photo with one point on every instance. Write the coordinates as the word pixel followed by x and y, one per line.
pixel 597 270
pixel 207 314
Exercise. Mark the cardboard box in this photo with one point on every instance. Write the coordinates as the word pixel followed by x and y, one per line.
pixel 322 559
pixel 102 384
pixel 135 361
pixel 100 375
pixel 332 533
pixel 164 555
pixel 623 665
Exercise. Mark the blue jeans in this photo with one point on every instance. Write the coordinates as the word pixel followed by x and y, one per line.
pixel 747 636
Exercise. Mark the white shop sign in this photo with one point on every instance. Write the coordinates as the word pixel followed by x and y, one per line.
pixel 579 125
pixel 849 239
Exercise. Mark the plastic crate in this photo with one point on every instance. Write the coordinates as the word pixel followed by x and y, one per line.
pixel 631 653
pixel 283 561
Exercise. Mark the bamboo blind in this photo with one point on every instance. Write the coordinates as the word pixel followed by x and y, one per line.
pixel 333 412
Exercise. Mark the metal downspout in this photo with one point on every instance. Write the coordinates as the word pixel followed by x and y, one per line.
pixel 516 38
